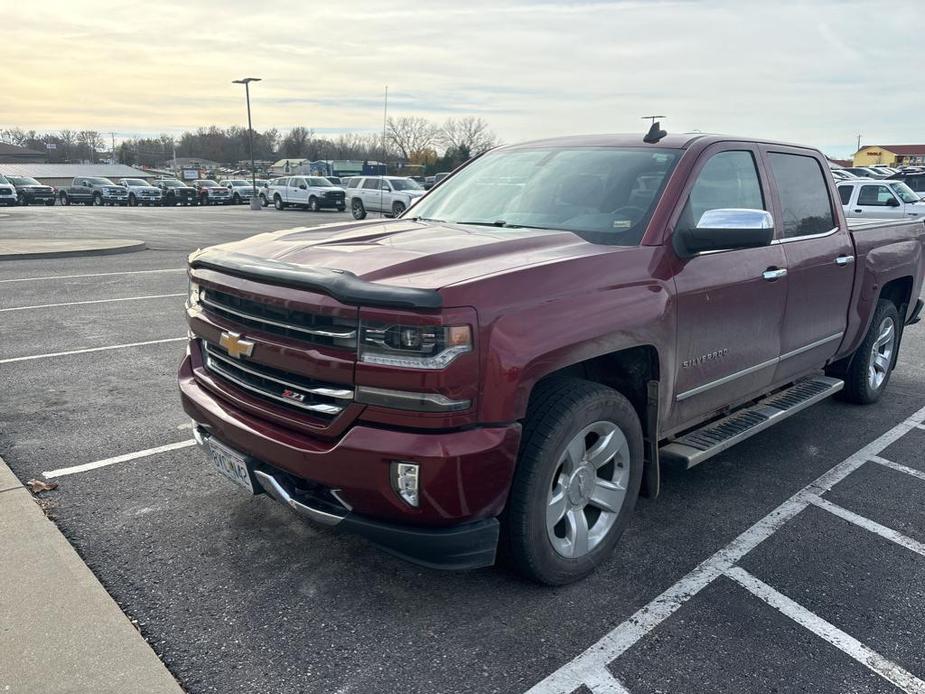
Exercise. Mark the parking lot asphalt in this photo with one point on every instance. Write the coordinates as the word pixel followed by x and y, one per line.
pixel 237 595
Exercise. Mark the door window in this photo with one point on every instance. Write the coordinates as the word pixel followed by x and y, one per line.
pixel 371 184
pixel 875 196
pixel 804 195
pixel 727 180
pixel 844 192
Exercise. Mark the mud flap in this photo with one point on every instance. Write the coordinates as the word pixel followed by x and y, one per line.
pixel 650 469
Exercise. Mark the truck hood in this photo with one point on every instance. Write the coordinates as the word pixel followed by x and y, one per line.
pixel 415 254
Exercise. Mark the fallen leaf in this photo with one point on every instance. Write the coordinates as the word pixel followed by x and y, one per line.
pixel 39 486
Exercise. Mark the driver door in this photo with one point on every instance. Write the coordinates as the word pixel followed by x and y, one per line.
pixel 730 304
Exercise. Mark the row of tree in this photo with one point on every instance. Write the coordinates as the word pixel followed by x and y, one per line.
pixel 408 140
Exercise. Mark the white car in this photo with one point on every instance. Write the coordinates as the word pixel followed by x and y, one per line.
pixel 311 192
pixel 878 199
pixel 241 191
pixel 390 195
pixel 7 192
pixel 140 192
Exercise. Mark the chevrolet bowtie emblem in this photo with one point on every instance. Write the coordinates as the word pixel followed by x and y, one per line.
pixel 235 345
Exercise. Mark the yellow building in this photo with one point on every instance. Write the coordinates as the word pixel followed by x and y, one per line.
pixel 890 155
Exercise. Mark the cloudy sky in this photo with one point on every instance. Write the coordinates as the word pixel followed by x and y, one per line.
pixel 816 72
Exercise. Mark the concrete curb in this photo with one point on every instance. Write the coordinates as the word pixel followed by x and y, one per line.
pixel 60 631
pixel 28 249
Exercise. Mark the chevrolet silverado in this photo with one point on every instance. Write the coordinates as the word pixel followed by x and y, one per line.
pixel 501 370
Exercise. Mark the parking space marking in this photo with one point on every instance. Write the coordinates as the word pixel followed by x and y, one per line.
pixel 93 301
pixel 90 349
pixel 596 658
pixel 62 472
pixel 93 274
pixel 847 644
pixel 899 467
pixel 602 682
pixel 868 524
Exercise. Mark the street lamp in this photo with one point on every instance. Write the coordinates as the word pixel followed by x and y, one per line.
pixel 255 203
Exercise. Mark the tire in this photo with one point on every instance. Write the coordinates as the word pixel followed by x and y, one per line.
pixel 313 204
pixel 582 417
pixel 50 203
pixel 357 209
pixel 21 200
pixel 65 200
pixel 132 201
pixel 871 365
pixel 203 199
pixel 341 208
pixel 397 209
pixel 278 203
pixel 236 199
pixel 97 199
pixel 263 201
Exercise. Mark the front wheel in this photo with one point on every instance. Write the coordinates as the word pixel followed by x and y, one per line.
pixel 397 209
pixel 357 209
pixel 237 199
pixel 871 365
pixel 65 200
pixel 313 204
pixel 98 200
pixel 50 203
pixel 578 476
pixel 278 203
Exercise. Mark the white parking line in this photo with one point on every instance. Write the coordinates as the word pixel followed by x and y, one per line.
pixel 94 301
pixel 898 467
pixel 602 682
pixel 90 349
pixel 61 472
pixel 847 644
pixel 93 274
pixel 596 658
pixel 868 524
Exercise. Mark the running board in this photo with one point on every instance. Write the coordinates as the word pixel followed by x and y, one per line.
pixel 698 445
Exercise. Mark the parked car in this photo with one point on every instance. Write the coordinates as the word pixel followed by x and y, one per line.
pixel 31 192
pixel 842 175
pixel 94 190
pixel 211 193
pixel 267 188
pixel 884 199
pixel 431 181
pixel 555 319
pixel 865 172
pixel 310 192
pixel 336 180
pixel 8 195
pixel 176 192
pixel 387 194
pixel 241 191
pixel 140 192
pixel 915 181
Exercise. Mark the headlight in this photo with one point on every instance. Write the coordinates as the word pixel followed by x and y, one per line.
pixel 413 346
pixel 193 300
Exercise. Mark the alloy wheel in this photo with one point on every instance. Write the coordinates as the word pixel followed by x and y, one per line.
pixel 881 354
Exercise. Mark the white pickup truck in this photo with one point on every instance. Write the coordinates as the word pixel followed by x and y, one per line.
pixel 864 197
pixel 311 192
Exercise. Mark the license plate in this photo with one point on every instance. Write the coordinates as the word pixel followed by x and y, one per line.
pixel 230 464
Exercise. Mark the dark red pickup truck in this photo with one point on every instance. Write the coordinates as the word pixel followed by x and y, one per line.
pixel 503 367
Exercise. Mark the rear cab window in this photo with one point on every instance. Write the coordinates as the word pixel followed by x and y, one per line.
pixel 844 192
pixel 806 208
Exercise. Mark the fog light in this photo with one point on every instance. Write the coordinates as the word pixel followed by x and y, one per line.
pixel 405 481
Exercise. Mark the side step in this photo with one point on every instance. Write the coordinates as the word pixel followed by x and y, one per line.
pixel 698 445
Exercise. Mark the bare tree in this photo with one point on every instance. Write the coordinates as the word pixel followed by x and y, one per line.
pixel 296 142
pixel 93 141
pixel 412 136
pixel 13 136
pixel 470 135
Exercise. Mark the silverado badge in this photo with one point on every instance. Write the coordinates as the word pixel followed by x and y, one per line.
pixel 235 345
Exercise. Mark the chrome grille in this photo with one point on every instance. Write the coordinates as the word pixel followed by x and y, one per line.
pixel 297 392
pixel 318 329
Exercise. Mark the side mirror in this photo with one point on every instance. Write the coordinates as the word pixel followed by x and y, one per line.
pixel 302 186
pixel 892 202
pixel 723 230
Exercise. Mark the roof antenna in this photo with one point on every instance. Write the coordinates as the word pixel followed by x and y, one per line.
pixel 655 132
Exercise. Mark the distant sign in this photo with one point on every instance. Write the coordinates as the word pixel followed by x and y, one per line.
pixel 51 145
pixel 872 153
pixel 190 174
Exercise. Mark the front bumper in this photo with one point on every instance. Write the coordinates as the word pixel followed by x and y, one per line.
pixel 465 476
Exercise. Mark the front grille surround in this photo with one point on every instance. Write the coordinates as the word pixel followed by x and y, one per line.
pixel 314 328
pixel 319 398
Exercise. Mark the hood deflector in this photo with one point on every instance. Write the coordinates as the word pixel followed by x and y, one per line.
pixel 342 285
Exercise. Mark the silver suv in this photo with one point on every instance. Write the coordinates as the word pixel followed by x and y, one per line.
pixel 390 195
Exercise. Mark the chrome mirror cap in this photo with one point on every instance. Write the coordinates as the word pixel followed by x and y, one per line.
pixel 736 218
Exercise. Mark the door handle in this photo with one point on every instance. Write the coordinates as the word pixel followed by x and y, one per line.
pixel 860 211
pixel 844 260
pixel 774 273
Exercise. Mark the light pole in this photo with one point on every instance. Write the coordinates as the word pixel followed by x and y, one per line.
pixel 255 203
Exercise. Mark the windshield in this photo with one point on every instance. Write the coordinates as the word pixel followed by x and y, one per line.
pixel 208 184
pixel 101 181
pixel 905 193
pixel 603 194
pixel 238 182
pixel 3 179
pixel 319 182
pixel 173 183
pixel 404 184
pixel 135 182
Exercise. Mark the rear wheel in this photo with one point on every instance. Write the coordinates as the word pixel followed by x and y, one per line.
pixel 871 365
pixel 577 480
pixel 357 209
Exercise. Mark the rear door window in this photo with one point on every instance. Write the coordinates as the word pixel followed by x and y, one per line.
pixel 844 192
pixel 804 195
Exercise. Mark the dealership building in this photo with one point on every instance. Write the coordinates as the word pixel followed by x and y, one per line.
pixel 60 175
pixel 890 155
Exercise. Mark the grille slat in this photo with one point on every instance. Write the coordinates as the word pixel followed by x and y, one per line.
pixel 294 391
pixel 314 328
